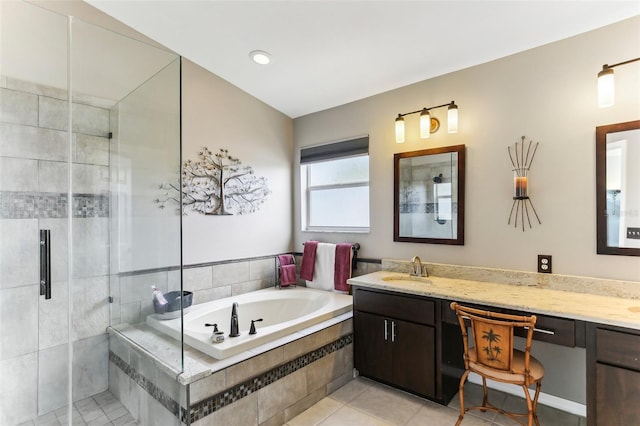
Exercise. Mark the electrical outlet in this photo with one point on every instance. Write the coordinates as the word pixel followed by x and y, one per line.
pixel 544 263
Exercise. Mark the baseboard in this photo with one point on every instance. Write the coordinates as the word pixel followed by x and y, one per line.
pixel 544 398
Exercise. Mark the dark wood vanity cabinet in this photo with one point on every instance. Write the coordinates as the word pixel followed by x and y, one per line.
pixel 613 376
pixel 398 341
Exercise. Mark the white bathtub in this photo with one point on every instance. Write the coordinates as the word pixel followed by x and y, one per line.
pixel 282 311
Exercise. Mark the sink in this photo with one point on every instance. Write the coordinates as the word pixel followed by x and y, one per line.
pixel 406 277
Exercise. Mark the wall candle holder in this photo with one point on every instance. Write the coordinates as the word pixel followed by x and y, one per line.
pixel 521 199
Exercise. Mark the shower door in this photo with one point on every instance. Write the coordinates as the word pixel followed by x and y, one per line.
pixel 35 158
pixel 62 86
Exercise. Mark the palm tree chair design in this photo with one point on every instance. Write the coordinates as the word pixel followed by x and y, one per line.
pixel 489 352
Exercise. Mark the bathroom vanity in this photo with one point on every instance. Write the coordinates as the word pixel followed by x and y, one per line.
pixel 406 335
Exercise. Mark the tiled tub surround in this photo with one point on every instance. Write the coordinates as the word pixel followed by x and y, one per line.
pixel 131 292
pixel 266 386
pixel 136 347
pixel 33 195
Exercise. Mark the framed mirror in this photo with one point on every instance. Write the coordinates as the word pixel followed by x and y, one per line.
pixel 618 188
pixel 428 196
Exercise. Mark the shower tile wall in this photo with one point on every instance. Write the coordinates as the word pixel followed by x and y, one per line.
pixel 33 195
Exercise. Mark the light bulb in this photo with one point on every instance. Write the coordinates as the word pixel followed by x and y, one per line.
pixel 452 118
pixel 425 124
pixel 606 87
pixel 260 57
pixel 399 129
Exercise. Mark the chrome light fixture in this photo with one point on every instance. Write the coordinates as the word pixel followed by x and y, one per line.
pixel 429 124
pixel 606 84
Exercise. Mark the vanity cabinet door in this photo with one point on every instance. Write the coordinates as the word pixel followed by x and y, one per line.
pixel 372 345
pixel 613 376
pixel 413 357
pixel 617 395
pixel 396 352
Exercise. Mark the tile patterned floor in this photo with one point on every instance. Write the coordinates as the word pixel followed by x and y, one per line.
pixel 361 402
pixel 365 402
pixel 103 409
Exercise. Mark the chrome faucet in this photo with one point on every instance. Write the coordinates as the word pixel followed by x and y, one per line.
pixel 234 321
pixel 418 269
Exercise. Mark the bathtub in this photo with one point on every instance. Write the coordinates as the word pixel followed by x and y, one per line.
pixel 282 311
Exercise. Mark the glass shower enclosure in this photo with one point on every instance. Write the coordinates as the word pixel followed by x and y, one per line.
pixel 89 133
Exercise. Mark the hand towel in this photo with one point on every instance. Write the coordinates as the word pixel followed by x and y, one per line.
pixel 324 271
pixel 342 266
pixel 285 259
pixel 287 275
pixel 308 260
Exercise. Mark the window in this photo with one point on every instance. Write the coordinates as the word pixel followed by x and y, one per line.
pixel 335 186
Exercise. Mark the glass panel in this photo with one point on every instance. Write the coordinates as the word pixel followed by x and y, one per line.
pixel 34 156
pixel 126 122
pixel 346 170
pixel 339 207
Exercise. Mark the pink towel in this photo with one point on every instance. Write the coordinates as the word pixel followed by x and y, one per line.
pixel 287 275
pixel 308 260
pixel 343 266
pixel 285 259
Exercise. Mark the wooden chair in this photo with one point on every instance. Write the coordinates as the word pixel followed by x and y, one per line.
pixel 492 357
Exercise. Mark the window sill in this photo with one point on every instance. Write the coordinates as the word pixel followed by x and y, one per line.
pixel 335 231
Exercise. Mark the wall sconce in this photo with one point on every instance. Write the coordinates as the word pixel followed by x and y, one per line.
pixel 606 84
pixel 521 167
pixel 429 124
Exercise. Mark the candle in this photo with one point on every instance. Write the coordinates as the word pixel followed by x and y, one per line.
pixel 520 183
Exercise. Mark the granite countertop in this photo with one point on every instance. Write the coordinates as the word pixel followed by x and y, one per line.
pixel 616 311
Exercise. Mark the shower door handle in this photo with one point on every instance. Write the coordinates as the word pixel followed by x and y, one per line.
pixel 45 263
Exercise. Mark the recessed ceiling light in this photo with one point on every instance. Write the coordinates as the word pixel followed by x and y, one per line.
pixel 260 57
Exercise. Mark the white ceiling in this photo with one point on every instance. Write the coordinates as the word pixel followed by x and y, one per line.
pixel 328 53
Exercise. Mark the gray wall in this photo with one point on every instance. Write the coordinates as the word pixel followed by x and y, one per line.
pixel 547 94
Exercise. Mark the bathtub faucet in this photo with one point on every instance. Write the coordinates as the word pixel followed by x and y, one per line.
pixel 234 321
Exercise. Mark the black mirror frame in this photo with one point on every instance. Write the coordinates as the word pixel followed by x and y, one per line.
pixel 460 150
pixel 601 188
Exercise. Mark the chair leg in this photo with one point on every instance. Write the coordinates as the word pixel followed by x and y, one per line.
pixel 530 405
pixel 485 397
pixel 463 379
pixel 535 403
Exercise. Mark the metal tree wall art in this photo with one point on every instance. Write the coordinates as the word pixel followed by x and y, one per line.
pixel 218 184
pixel 521 166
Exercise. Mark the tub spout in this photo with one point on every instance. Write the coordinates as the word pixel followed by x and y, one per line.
pixel 234 321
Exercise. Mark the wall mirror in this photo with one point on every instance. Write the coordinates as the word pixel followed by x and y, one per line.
pixel 428 194
pixel 618 188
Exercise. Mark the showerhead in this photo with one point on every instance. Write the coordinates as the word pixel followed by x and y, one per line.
pixel 438 179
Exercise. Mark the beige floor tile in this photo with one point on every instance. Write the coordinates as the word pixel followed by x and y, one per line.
pixel 347 416
pixel 546 415
pixel 433 414
pixel 473 396
pixel 386 403
pixel 316 413
pixel 351 390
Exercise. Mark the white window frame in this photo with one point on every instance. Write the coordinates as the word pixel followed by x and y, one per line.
pixel 307 189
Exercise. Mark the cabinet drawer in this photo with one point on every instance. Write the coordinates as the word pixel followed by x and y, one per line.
pixel 558 331
pixel 417 310
pixel 617 348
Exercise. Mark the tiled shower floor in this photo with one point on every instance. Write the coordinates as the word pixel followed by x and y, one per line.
pixel 98 410
pixel 361 402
